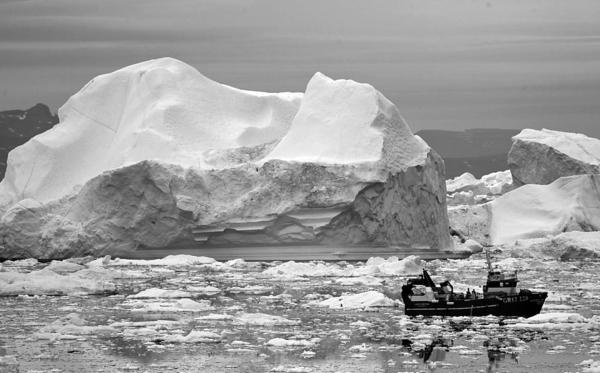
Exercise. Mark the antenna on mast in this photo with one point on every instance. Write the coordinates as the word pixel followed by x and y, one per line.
pixel 487 258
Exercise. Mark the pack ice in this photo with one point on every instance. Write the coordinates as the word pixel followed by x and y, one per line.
pixel 540 157
pixel 155 155
pixel 468 190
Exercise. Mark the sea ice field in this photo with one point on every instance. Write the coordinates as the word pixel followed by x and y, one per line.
pixel 193 314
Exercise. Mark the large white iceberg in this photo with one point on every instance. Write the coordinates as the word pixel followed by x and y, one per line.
pixel 540 157
pixel 155 155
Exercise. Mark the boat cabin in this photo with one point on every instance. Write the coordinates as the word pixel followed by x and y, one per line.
pixel 503 283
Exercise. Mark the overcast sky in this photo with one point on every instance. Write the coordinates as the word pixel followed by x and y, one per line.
pixel 450 64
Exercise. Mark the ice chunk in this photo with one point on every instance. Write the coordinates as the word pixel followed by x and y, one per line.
pixel 64 266
pixel 170 260
pixel 281 342
pixel 262 319
pixel 160 293
pixel 179 305
pixel 369 299
pixel 46 281
pixel 195 336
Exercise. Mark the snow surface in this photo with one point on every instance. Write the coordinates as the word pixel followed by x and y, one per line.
pixel 366 300
pixel 161 109
pixel 569 203
pixel 342 121
pixel 575 145
pixel 165 110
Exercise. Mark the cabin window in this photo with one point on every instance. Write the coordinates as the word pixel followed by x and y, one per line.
pixel 419 290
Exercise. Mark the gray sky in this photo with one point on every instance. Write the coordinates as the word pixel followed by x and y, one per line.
pixel 450 64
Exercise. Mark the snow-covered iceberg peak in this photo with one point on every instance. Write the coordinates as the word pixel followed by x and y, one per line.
pixel 162 110
pixel 344 122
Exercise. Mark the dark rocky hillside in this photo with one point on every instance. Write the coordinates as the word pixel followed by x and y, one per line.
pixel 478 151
pixel 18 126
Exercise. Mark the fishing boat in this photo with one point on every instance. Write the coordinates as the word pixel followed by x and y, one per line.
pixel 500 296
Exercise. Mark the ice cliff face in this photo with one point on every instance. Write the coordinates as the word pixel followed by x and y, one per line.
pixel 540 157
pixel 156 155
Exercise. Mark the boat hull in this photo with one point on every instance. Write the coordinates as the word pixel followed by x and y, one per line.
pixel 522 305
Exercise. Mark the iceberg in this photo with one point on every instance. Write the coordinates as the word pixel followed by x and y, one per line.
pixel 156 155
pixel 533 211
pixel 540 157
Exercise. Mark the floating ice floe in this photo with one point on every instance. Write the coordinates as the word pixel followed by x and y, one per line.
pixel 391 266
pixel 590 366
pixel 195 336
pixel 556 317
pixel 281 342
pixel 48 282
pixel 366 300
pixel 250 289
pixel 204 290
pixel 214 317
pixel 64 266
pixel 291 369
pixel 22 263
pixel 244 318
pixel 152 324
pixel 554 320
pixel 353 281
pixel 170 260
pixel 375 266
pixel 71 326
pixel 361 348
pixel 262 319
pixel 179 305
pixel 310 269
pixel 160 293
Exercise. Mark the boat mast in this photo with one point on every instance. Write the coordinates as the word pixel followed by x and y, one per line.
pixel 487 258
